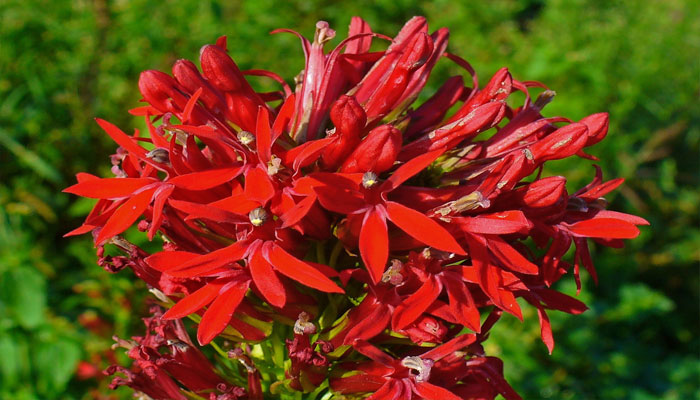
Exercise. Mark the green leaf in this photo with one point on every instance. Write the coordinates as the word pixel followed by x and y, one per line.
pixel 10 365
pixel 55 363
pixel 24 294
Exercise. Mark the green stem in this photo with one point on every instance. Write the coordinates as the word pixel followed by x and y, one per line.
pixel 320 254
pixel 219 350
pixel 335 253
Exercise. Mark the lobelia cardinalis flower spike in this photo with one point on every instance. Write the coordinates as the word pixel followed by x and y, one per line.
pixel 376 244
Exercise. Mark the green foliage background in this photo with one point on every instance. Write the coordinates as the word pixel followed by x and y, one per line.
pixel 64 62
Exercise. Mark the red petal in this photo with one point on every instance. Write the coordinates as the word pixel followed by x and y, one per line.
pixel 339 200
pixel 632 219
pixel 370 325
pixel 409 169
pixel 299 211
pixel 357 383
pixel 428 391
pixel 305 154
pixel 161 196
pixel 450 347
pixel 559 301
pixel 411 308
pixel 164 261
pixel 607 228
pixel 187 112
pixel 237 204
pixel 511 257
pixel 205 179
pixel 266 280
pixel 367 349
pixel 263 135
pixel 495 224
pixel 121 138
pixel 422 228
pixel 207 211
pixel 283 117
pixel 461 302
pixel 391 390
pixel 545 329
pixel 125 216
pixel 220 312
pixel 108 188
pixel 300 271
pixel 195 301
pixel 210 261
pixel 258 186
pixel 374 244
pixel 488 276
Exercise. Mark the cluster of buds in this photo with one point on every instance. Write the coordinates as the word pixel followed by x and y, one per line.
pixel 370 234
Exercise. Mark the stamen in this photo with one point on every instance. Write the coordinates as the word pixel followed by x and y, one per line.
pixel 393 274
pixel 159 155
pixel 302 326
pixel 258 216
pixel 369 179
pixel 245 137
pixel 422 367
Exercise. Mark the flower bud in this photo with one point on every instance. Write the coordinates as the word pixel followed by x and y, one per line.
pixel 220 69
pixel 597 127
pixel 376 153
pixel 187 75
pixel 161 91
pixel 349 119
pixel 543 192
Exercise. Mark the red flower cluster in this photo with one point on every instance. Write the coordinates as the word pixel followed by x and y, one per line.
pixel 385 229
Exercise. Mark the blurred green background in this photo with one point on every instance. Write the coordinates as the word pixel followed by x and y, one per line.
pixel 64 62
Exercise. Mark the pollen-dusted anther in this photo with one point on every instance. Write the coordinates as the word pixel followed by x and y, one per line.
pixel 258 216
pixel 369 179
pixel 159 155
pixel 245 137
pixel 302 326
pixel 393 274
pixel 420 366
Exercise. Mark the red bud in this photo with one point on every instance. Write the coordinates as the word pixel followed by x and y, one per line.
pixel 597 127
pixel 376 153
pixel 161 91
pixel 221 70
pixel 498 89
pixel 562 143
pixel 349 119
pixel 543 192
pixel 189 77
